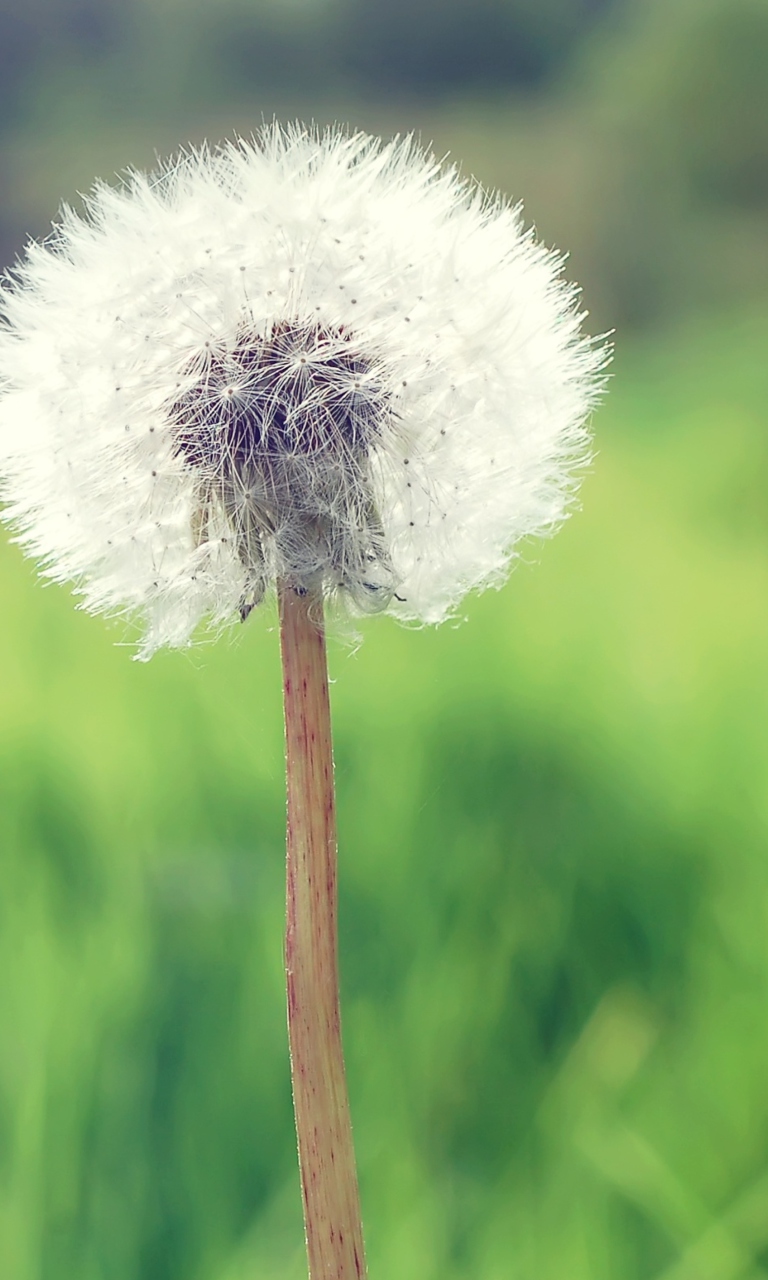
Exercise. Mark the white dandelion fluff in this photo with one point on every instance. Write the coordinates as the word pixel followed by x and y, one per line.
pixel 310 358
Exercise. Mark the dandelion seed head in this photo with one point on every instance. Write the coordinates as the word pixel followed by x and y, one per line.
pixel 313 357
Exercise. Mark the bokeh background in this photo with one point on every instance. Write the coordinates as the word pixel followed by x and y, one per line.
pixel 554 818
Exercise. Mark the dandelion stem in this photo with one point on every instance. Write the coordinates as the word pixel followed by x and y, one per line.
pixel 326 1156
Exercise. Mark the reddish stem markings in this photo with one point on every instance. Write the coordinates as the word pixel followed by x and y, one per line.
pixel 332 1220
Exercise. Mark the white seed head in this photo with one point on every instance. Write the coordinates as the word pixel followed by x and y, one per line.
pixel 310 357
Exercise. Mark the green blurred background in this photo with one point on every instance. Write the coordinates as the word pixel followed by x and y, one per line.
pixel 554 818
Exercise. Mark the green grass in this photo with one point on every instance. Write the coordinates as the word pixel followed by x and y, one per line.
pixel 554 822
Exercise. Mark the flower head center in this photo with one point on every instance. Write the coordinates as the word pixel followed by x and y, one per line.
pixel 299 389
pixel 280 428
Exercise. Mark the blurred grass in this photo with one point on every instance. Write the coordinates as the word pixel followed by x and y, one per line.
pixel 553 818
pixel 554 887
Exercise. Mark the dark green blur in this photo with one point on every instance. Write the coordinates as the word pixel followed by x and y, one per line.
pixel 553 818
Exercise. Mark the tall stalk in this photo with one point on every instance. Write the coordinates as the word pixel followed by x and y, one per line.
pixel 332 1219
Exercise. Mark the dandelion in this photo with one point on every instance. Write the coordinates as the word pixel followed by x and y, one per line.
pixel 311 365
